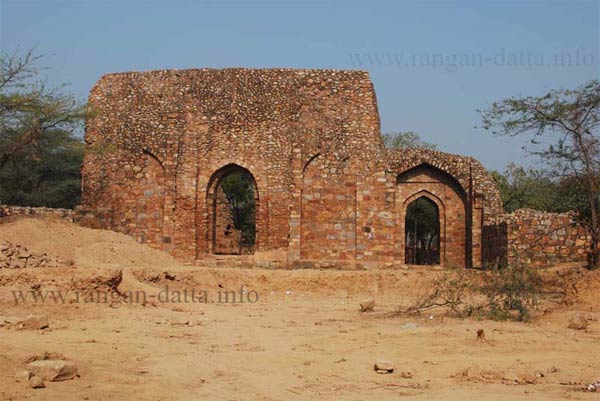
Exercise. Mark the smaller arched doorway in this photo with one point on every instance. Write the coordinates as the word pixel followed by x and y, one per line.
pixel 422 232
pixel 233 205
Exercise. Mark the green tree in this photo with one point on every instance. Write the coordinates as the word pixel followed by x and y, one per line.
pixel 423 231
pixel 570 194
pixel 526 188
pixel 40 152
pixel 239 190
pixel 407 139
pixel 563 127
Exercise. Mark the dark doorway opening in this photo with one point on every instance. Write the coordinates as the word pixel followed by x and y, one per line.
pixel 234 213
pixel 422 227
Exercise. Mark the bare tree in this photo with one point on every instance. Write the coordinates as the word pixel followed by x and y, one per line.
pixel 29 110
pixel 563 126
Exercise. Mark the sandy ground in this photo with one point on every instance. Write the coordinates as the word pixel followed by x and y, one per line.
pixel 304 338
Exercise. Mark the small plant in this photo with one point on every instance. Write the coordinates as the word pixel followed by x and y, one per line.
pixel 449 291
pixel 509 293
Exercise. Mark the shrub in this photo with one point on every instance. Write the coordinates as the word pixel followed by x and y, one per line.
pixel 509 293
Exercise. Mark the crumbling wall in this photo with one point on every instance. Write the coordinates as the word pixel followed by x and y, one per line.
pixel 465 191
pixel 194 123
pixel 8 211
pixel 495 244
pixel 326 188
pixel 463 169
pixel 533 238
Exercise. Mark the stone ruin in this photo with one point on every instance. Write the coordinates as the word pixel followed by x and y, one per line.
pixel 16 256
pixel 326 190
pixel 535 238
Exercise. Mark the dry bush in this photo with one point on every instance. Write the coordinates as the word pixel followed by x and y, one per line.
pixel 510 293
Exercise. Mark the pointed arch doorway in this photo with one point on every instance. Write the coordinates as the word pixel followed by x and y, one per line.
pixel 232 201
pixel 422 232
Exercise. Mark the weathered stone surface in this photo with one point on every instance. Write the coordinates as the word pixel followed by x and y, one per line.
pixel 32 322
pixel 328 194
pixel 534 238
pixel 36 382
pixel 23 376
pixel 383 366
pixel 327 191
pixel 13 211
pixel 53 370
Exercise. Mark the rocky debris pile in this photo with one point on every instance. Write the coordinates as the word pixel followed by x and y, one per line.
pixel 507 377
pixel 594 387
pixel 50 367
pixel 16 256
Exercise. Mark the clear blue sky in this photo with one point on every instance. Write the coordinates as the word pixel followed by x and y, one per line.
pixel 433 63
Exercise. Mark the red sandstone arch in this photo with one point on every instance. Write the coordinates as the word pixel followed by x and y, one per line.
pixel 212 199
pixel 451 200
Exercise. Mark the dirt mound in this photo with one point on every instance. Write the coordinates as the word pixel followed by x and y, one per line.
pixel 80 246
pixel 587 289
pixel 349 282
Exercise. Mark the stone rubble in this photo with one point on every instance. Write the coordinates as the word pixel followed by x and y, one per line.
pixel 14 211
pixel 53 370
pixel 23 376
pixel 31 322
pixel 36 382
pixel 46 367
pixel 383 366
pixel 16 256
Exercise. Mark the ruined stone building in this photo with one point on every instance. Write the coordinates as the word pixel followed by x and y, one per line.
pixel 325 190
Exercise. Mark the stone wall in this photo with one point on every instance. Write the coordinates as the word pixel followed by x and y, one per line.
pixel 463 169
pixel 464 191
pixel 196 123
pixel 328 211
pixel 8 211
pixel 535 239
pixel 327 191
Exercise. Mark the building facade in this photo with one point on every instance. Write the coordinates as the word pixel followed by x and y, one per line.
pixel 160 144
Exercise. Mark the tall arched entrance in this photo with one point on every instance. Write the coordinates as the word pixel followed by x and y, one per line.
pixel 422 232
pixel 232 201
pixel 432 218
